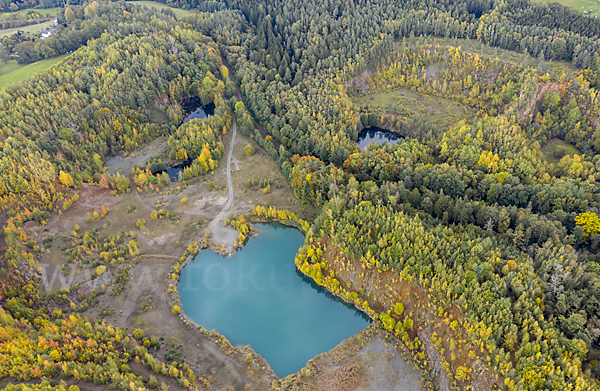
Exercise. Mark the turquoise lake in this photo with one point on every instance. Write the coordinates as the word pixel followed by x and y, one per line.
pixel 258 297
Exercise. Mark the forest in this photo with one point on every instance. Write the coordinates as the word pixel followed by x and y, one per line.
pixel 475 214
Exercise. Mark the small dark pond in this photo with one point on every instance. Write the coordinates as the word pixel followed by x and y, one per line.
pixel 159 168
pixel 175 170
pixel 196 110
pixel 374 134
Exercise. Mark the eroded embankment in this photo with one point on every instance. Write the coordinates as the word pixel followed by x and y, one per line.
pixel 434 330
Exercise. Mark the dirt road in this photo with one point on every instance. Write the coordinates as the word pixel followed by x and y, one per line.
pixel 229 184
pixel 222 234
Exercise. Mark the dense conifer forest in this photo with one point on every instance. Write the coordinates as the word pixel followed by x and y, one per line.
pixel 477 215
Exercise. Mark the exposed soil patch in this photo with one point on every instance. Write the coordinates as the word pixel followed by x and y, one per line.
pixel 360 82
pixel 371 360
pixel 341 378
pixel 383 289
pixel 527 113
pixel 201 351
pixel 386 369
pixel 125 161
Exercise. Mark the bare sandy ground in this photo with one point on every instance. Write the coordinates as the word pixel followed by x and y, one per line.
pixel 371 360
pixel 221 234
pixel 387 370
pixel 124 161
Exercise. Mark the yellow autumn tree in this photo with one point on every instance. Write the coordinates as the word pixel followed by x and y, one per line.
pixel 589 222
pixel 224 72
pixel 489 160
pixel 66 179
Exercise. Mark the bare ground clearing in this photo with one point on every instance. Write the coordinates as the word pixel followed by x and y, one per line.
pixel 371 360
pixel 387 370
pixel 123 162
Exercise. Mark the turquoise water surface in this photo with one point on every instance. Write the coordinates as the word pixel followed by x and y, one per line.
pixel 257 297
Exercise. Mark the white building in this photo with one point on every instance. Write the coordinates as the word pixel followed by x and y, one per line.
pixel 51 30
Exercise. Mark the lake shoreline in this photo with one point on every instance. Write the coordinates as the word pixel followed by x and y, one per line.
pixel 275 349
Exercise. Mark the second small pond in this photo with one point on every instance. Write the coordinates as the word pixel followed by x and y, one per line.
pixel 374 134
pixel 193 106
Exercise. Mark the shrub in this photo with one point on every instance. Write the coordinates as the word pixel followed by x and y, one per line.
pixel 138 334
pixel 399 308
pixel 157 167
pixel 152 382
pixel 249 150
pixel 100 270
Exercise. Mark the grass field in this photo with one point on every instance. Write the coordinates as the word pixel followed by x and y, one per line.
pixel 441 112
pixel 13 72
pixel 41 11
pixel 10 67
pixel 179 13
pixel 31 29
pixel 589 7
pixel 552 155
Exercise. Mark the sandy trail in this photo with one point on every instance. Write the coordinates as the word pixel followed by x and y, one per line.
pixel 222 234
pixel 229 184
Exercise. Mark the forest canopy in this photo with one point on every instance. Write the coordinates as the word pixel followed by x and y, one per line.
pixel 475 212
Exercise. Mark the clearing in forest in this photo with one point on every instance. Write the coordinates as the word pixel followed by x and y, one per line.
pixel 405 103
pixel 508 56
pixel 556 149
pixel 78 241
pixel 589 7
pixel 179 13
